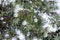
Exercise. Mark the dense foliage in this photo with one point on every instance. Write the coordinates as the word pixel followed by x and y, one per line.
pixel 28 19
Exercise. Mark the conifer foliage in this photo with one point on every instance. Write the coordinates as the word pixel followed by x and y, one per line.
pixel 26 15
